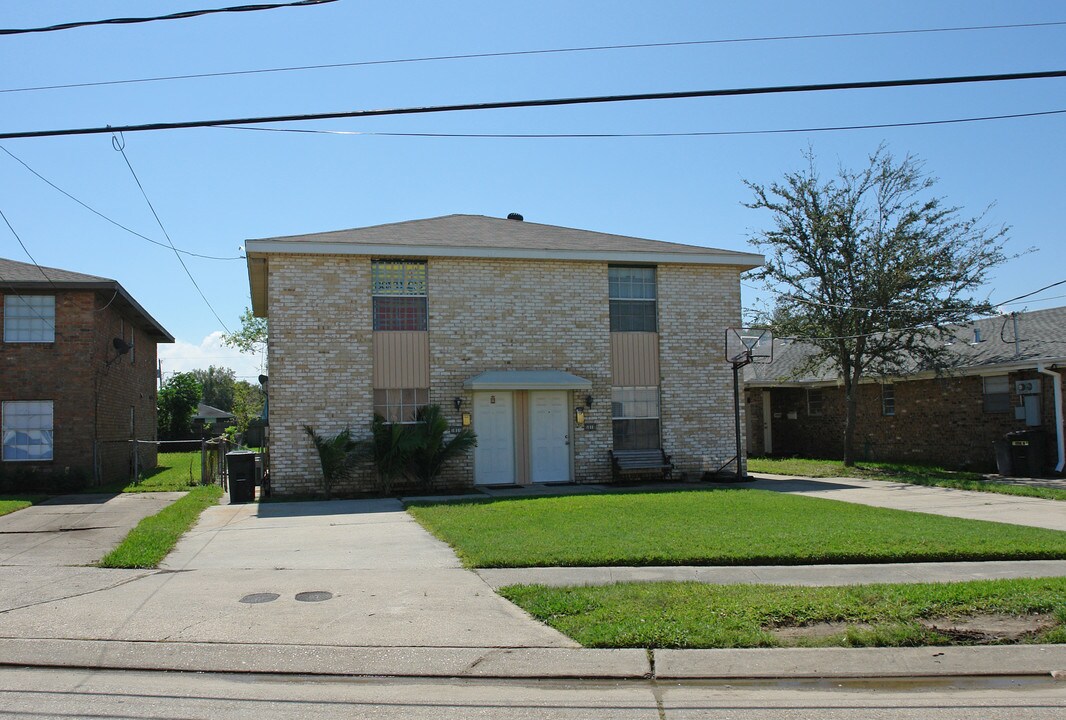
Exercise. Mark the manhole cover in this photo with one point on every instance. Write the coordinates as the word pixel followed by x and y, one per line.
pixel 260 598
pixel 314 596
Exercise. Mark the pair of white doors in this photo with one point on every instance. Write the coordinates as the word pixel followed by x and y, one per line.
pixel 548 437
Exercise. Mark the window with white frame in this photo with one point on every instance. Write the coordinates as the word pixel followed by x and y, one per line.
pixel 400 288
pixel 997 394
pixel 635 418
pixel 888 399
pixel 400 405
pixel 27 429
pixel 815 402
pixel 632 298
pixel 30 318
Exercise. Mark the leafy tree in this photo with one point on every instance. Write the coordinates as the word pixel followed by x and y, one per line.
pixel 218 385
pixel 176 404
pixel 252 335
pixel 247 403
pixel 872 264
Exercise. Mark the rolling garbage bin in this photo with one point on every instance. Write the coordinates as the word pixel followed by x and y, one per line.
pixel 1004 466
pixel 1026 453
pixel 241 464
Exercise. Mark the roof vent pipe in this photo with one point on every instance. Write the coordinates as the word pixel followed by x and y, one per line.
pixel 515 216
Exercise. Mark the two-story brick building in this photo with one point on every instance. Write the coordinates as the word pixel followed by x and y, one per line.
pixel 556 344
pixel 77 373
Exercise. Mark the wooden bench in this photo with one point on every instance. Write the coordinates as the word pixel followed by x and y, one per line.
pixel 640 462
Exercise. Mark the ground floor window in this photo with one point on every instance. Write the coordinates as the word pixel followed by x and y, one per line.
pixel 400 405
pixel 635 413
pixel 997 394
pixel 814 402
pixel 888 400
pixel 27 430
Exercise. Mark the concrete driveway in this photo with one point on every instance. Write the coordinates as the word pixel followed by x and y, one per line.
pixel 74 529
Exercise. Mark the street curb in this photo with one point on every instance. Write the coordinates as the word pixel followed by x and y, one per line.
pixel 539 663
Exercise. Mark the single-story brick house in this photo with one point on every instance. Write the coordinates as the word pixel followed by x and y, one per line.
pixel 556 344
pixel 77 373
pixel 1006 378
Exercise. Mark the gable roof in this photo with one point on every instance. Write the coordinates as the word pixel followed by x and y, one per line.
pixel 480 236
pixel 1041 339
pixel 15 276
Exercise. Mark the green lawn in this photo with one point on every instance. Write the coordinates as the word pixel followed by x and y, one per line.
pixel 898 472
pixel 16 501
pixel 694 615
pixel 173 472
pixel 148 543
pixel 717 527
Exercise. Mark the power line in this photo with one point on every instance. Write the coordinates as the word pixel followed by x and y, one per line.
pixel 709 133
pixel 108 219
pixel 548 102
pixel 515 53
pixel 1034 292
pixel 25 249
pixel 173 16
pixel 121 148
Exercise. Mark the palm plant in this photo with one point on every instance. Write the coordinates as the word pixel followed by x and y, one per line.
pixel 391 446
pixel 336 453
pixel 432 451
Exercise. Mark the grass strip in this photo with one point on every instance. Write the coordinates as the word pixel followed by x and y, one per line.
pixel 695 615
pixel 900 472
pixel 17 501
pixel 717 527
pixel 174 472
pixel 148 543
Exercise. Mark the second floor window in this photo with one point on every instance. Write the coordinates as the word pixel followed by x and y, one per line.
pixel 30 318
pixel 632 298
pixel 399 290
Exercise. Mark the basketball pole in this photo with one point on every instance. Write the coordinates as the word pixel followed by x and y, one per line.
pixel 742 465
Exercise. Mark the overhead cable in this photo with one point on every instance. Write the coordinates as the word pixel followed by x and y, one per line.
pixel 120 146
pixel 549 51
pixel 110 220
pixel 699 133
pixel 546 102
pixel 25 249
pixel 173 16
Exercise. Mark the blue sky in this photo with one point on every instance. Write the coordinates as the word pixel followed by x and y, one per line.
pixel 214 188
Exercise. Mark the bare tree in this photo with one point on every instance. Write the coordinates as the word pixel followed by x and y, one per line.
pixel 870 265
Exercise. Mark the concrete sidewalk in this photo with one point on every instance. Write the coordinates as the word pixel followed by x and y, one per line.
pixel 805 575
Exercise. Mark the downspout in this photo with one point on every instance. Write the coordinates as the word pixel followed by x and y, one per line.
pixel 1057 381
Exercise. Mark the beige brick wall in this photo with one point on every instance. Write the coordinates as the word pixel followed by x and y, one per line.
pixel 491 315
pixel 548 315
pixel 696 305
pixel 320 360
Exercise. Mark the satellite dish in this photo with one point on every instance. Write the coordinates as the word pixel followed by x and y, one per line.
pixel 121 345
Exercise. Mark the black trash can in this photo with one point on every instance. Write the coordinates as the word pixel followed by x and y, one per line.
pixel 241 465
pixel 1026 453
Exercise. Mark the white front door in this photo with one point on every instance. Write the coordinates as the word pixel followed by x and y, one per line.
pixel 494 425
pixel 549 437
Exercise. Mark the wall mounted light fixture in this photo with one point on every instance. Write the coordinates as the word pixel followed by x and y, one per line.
pixel 458 402
pixel 588 401
pixel 579 415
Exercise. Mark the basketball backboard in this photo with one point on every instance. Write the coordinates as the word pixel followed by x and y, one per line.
pixel 744 345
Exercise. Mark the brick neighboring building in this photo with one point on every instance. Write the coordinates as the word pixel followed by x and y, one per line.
pixel 996 387
pixel 520 324
pixel 70 400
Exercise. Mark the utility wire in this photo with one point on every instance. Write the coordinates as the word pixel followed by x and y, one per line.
pixel 514 53
pixel 548 102
pixel 709 133
pixel 120 146
pixel 108 219
pixel 172 16
pixel 25 249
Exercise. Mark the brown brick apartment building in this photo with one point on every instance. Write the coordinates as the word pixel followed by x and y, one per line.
pixel 1006 378
pixel 557 344
pixel 77 373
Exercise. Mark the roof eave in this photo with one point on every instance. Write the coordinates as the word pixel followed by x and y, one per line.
pixel 743 261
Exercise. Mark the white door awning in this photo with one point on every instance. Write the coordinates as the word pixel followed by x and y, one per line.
pixel 527 380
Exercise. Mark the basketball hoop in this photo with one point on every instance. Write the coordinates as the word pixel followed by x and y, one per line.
pixel 744 346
